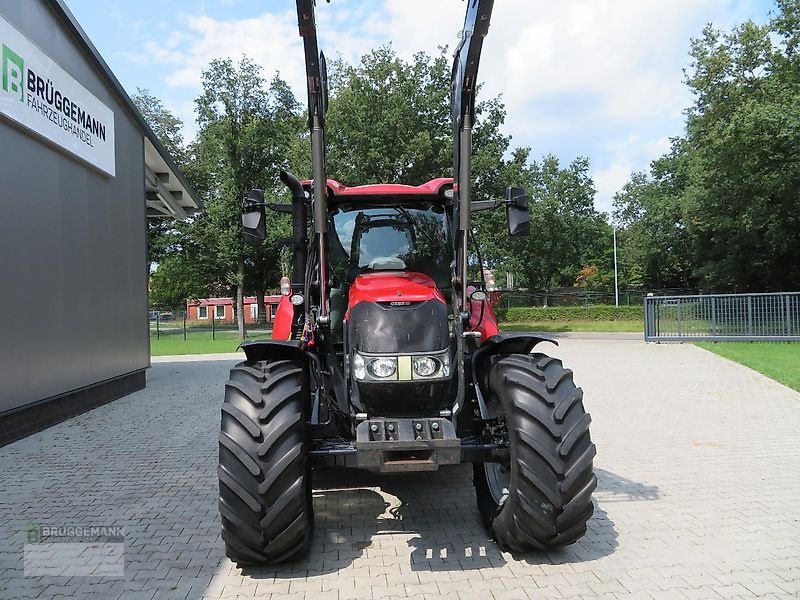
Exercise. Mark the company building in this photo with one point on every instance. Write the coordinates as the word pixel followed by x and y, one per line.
pixel 80 173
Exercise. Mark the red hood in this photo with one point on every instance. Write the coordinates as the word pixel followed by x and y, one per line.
pixel 393 286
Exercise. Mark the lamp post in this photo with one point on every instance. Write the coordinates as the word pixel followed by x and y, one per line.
pixel 616 278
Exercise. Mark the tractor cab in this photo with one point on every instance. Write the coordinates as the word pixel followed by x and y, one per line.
pixel 387 241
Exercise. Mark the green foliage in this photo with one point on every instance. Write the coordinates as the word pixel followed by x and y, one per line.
pixel 777 360
pixel 568 326
pixel 388 120
pixel 567 231
pixel 657 245
pixel 164 124
pixel 198 342
pixel 571 313
pixel 176 279
pixel 722 210
pixel 161 231
pixel 246 131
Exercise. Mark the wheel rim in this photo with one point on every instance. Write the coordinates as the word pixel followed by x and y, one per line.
pixel 498 478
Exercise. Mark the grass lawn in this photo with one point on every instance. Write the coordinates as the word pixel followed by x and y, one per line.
pixel 566 326
pixel 778 360
pixel 198 342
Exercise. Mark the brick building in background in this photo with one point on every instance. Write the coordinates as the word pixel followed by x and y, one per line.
pixel 223 309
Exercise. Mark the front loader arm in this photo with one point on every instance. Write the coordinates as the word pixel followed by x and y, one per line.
pixel 317 84
pixel 464 86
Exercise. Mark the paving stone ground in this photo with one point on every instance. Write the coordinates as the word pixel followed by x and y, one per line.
pixel 699 476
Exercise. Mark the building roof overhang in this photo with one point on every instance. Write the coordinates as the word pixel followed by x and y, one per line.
pixel 167 193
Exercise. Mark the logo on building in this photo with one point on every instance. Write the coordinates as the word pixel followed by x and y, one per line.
pixel 13 73
pixel 38 94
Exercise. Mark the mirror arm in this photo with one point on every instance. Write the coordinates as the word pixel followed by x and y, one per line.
pixel 480 205
pixel 251 206
pixel 279 208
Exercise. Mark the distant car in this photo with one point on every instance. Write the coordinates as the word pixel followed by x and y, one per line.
pixel 163 315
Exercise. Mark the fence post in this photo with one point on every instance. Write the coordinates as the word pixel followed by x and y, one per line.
pixel 184 326
pixel 788 316
pixel 214 324
pixel 680 318
pixel 749 315
pixel 713 315
pixel 158 318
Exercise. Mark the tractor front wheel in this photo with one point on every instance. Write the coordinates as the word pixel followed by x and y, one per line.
pixel 542 498
pixel 264 475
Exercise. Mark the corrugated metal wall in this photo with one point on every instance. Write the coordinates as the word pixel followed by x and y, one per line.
pixel 73 274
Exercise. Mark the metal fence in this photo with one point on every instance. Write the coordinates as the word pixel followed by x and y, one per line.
pixel 764 317
pixel 581 297
pixel 173 324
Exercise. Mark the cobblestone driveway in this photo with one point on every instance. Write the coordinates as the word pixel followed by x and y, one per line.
pixel 698 466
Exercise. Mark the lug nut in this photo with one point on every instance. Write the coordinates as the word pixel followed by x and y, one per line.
pixel 390 427
pixel 418 426
pixel 435 426
pixel 373 428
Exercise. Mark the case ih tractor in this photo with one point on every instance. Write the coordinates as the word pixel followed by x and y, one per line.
pixel 384 357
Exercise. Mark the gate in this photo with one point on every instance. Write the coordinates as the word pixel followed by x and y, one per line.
pixel 731 317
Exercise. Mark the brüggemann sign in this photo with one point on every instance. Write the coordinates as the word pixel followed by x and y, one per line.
pixel 42 97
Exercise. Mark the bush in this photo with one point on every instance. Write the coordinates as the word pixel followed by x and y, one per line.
pixel 571 313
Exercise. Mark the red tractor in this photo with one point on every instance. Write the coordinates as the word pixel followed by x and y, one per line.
pixel 385 357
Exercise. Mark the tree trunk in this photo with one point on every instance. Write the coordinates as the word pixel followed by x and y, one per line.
pixel 240 299
pixel 262 309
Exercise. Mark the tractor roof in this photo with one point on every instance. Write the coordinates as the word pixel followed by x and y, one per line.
pixel 433 188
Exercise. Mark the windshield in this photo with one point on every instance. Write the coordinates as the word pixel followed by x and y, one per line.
pixel 397 238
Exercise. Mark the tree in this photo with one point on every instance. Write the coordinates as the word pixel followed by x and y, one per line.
pixel 743 201
pixel 176 279
pixel 164 124
pixel 246 131
pixel 657 246
pixel 722 210
pixel 567 232
pixel 389 120
pixel 167 127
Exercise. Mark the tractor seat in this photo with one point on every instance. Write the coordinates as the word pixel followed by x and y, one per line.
pixel 387 263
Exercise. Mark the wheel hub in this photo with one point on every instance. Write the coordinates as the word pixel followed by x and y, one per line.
pixel 498 477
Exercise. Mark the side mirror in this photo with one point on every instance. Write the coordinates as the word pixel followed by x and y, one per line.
pixel 517 211
pixel 254 226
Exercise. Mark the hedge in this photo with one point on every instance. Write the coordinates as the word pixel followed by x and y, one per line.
pixel 571 313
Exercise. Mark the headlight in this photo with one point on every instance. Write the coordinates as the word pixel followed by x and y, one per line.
pixel 382 367
pixel 359 369
pixel 425 366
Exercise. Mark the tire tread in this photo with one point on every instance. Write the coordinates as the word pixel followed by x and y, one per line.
pixel 552 480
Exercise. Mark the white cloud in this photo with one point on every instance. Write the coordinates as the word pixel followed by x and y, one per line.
pixel 608 181
pixel 601 78
pixel 270 39
pixel 621 158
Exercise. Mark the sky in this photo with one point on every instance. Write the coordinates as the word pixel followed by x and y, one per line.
pixel 597 78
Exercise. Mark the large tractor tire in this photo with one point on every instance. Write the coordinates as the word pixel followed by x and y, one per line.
pixel 264 473
pixel 542 498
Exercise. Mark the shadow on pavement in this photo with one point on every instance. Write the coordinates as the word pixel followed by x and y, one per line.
pixel 615 488
pixel 435 515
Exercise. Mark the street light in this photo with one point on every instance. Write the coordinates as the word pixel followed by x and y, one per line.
pixel 616 279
